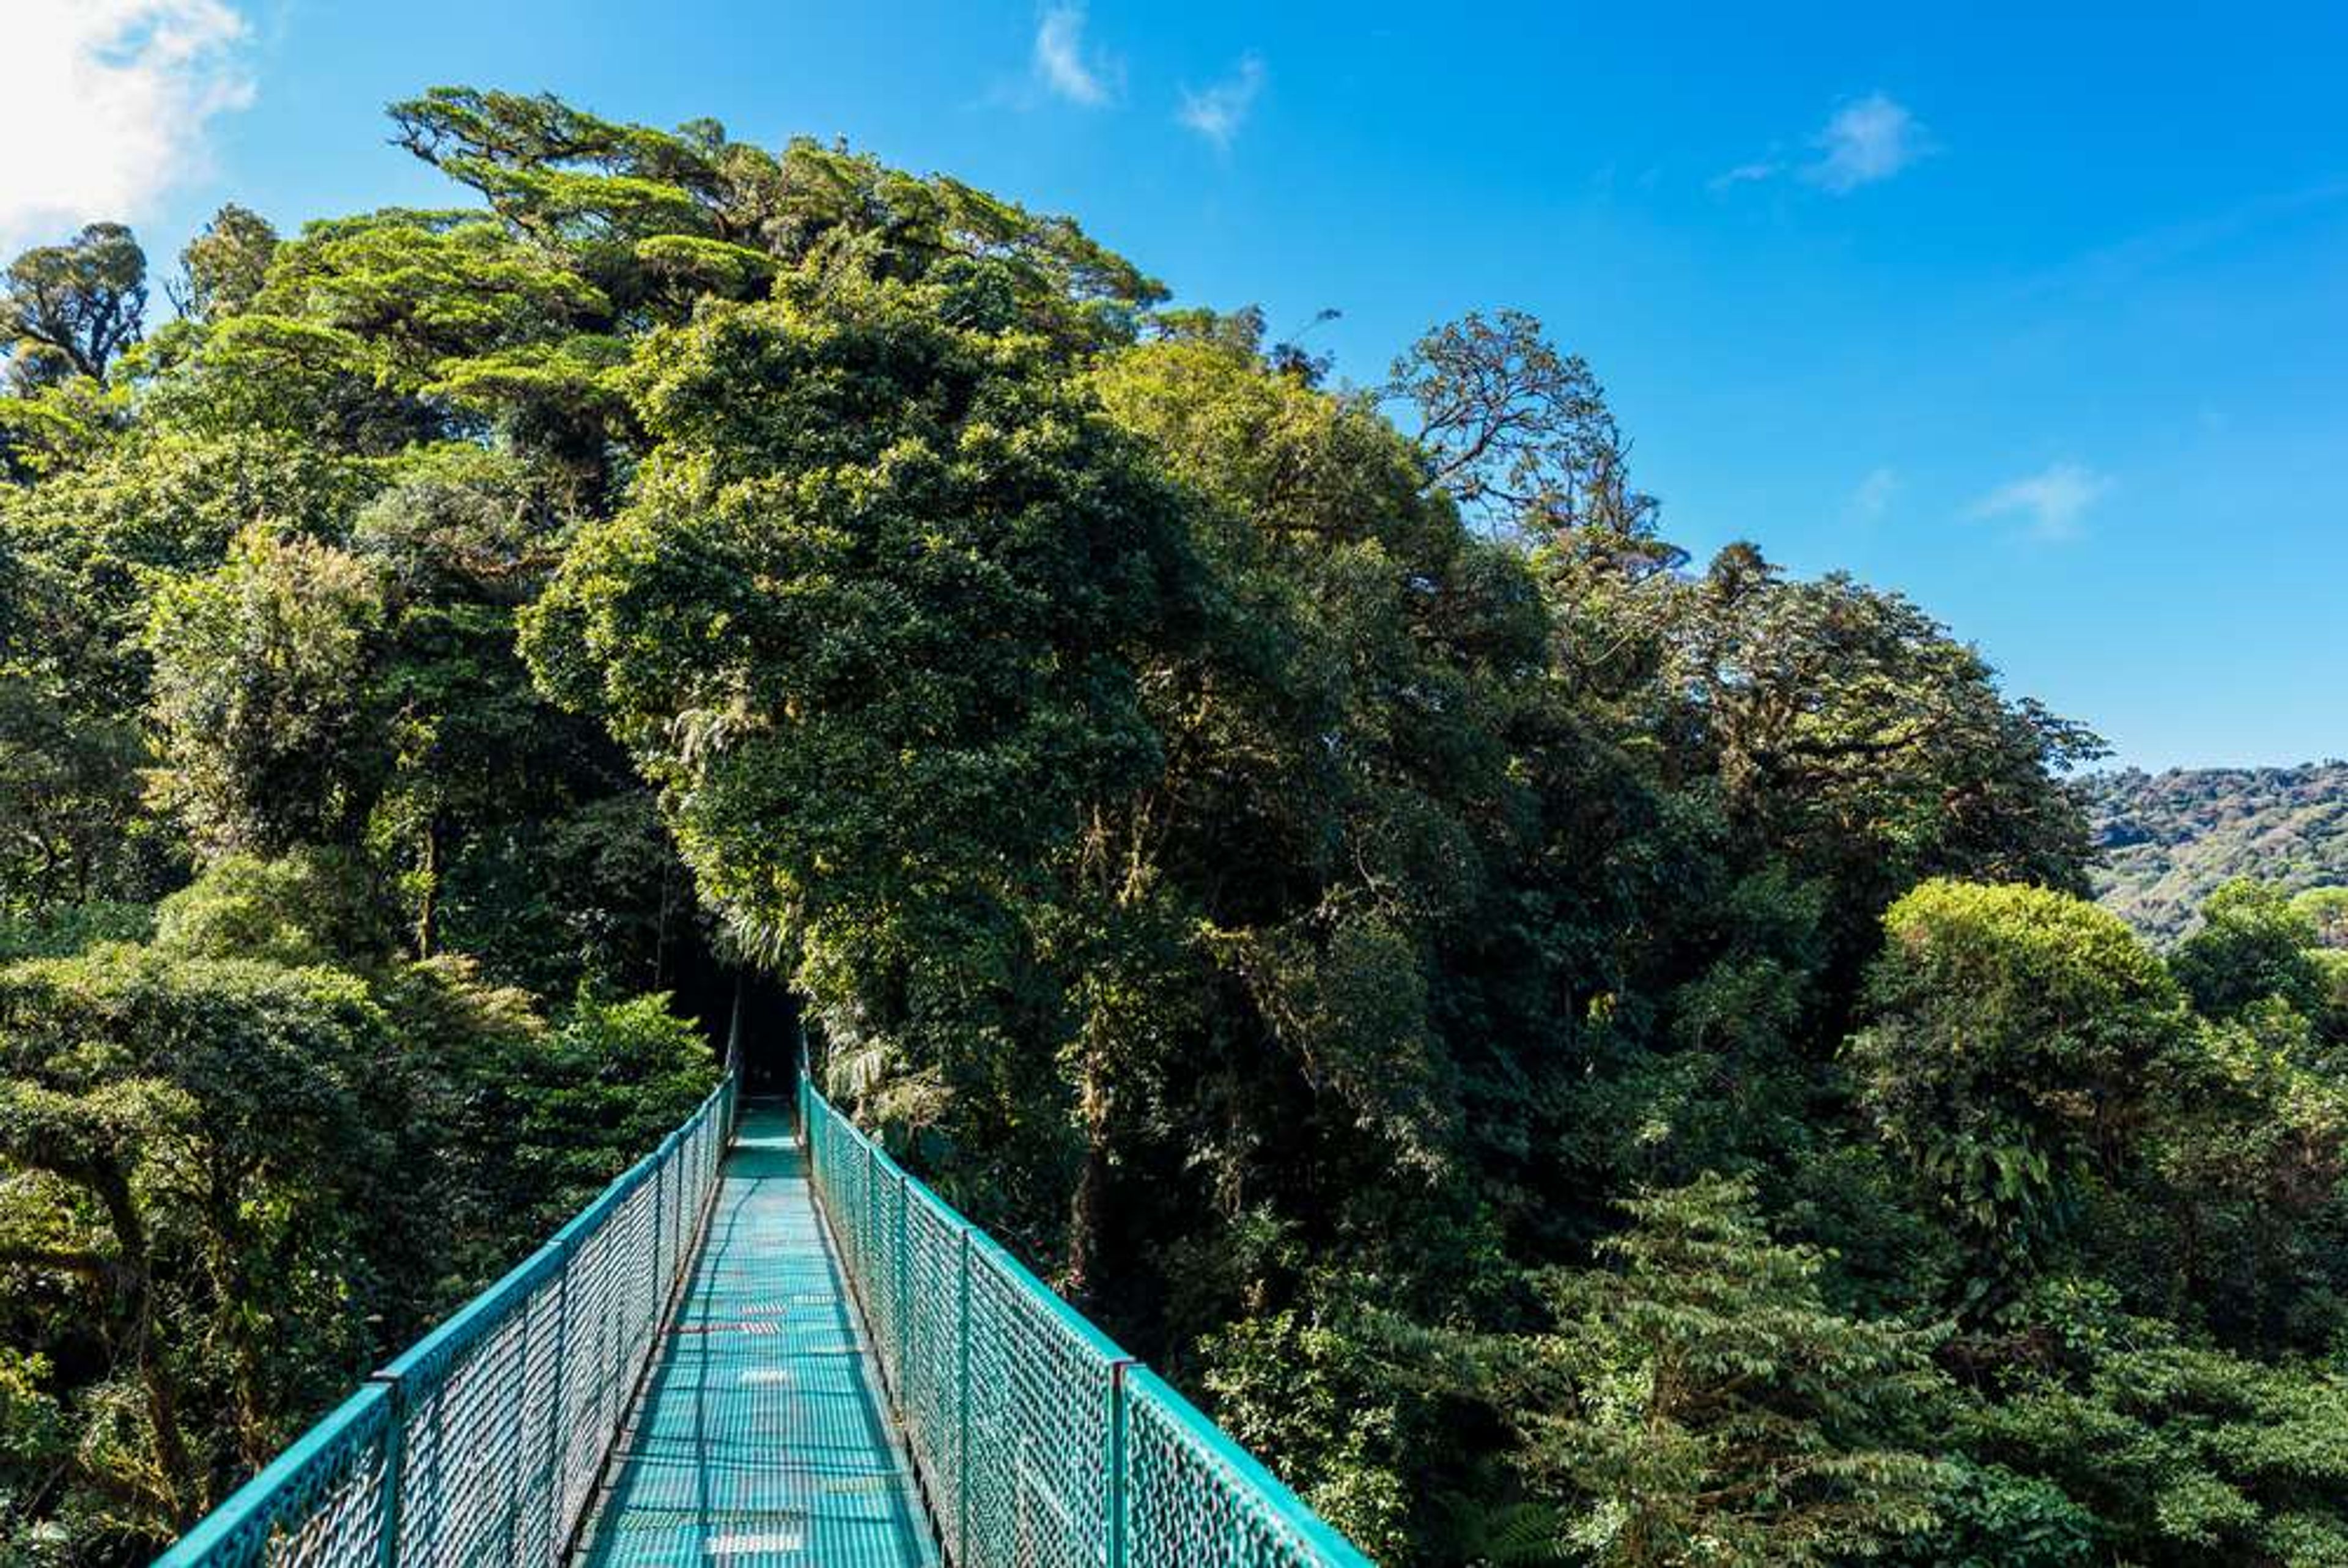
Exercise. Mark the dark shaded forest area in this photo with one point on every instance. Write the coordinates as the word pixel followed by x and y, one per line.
pixel 1571 1054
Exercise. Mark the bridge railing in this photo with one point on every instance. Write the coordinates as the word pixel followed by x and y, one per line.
pixel 1038 1442
pixel 484 1442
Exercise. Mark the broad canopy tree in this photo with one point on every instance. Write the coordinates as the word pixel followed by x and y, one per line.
pixel 871 622
pixel 71 310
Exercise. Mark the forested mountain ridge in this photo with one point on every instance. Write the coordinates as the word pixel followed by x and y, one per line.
pixel 2168 840
pixel 1569 1052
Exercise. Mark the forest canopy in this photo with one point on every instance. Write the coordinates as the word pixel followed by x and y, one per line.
pixel 2171 839
pixel 1571 1054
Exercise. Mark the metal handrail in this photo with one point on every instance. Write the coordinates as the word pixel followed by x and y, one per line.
pixel 1037 1441
pixel 485 1440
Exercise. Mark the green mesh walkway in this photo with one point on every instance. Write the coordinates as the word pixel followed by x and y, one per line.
pixel 751 1425
pixel 760 1437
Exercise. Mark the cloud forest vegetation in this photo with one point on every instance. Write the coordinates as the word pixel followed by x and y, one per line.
pixel 1573 1053
pixel 2171 839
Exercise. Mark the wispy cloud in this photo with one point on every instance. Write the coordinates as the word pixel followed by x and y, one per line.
pixel 2122 265
pixel 1219 111
pixel 2051 501
pixel 1063 65
pixel 1866 140
pixel 1873 497
pixel 1745 173
pixel 107 105
pixel 1863 142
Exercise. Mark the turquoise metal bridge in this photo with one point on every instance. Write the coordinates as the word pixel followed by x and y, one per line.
pixel 766 1347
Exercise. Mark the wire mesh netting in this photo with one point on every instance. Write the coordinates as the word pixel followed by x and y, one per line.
pixel 483 1444
pixel 1193 1495
pixel 762 1439
pixel 1038 1442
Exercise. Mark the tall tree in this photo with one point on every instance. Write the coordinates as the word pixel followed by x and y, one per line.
pixel 1701 1403
pixel 70 309
pixel 222 269
pixel 870 621
pixel 261 679
pixel 1519 433
pixel 2019 1037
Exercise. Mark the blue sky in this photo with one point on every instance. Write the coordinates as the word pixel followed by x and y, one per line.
pixel 2041 319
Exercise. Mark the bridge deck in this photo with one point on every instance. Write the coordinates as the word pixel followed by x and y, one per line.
pixel 761 1437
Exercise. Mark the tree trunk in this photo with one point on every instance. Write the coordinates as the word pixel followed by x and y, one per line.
pixel 1088 1212
pixel 428 912
pixel 184 1500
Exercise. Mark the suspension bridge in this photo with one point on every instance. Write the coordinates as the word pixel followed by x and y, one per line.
pixel 766 1344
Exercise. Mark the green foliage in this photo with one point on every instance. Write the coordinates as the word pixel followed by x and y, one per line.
pixel 61 930
pixel 1289 876
pixel 311 906
pixel 621 196
pixel 68 309
pixel 2326 909
pixel 870 623
pixel 1309 1393
pixel 2243 1164
pixel 2018 1035
pixel 237 1180
pixel 254 667
pixel 2254 943
pixel 225 266
pixel 1701 1403
pixel 541 1118
pixel 1846 725
pixel 951 563
pixel 159 503
pixel 2170 840
pixel 1990 1517
pixel 2184 1454
pixel 80 556
pixel 509 829
pixel 1338 727
pixel 68 789
pixel 189 1140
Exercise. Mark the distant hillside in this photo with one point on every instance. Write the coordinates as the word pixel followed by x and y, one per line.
pixel 2169 838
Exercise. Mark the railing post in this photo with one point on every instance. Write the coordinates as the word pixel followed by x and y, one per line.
pixel 652 1306
pixel 659 1248
pixel 395 1463
pixel 521 1423
pixel 395 1506
pixel 962 1412
pixel 903 1278
pixel 558 1435
pixel 734 1029
pixel 1117 1397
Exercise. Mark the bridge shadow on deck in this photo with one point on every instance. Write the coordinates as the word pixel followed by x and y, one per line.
pixel 761 1438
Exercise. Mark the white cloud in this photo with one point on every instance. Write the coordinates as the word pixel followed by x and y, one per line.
pixel 2053 500
pixel 1061 63
pixel 106 104
pixel 1864 140
pixel 1745 173
pixel 1871 139
pixel 1873 496
pixel 1218 112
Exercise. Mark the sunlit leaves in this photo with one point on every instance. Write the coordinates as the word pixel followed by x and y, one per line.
pixel 1698 1402
pixel 2020 1035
